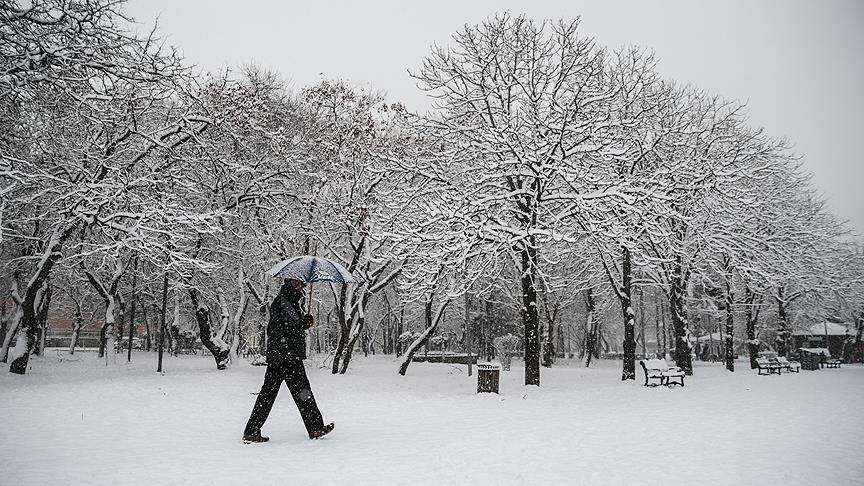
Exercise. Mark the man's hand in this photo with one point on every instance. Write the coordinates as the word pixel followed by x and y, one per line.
pixel 308 320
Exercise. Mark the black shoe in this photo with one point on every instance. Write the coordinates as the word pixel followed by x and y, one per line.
pixel 317 434
pixel 257 437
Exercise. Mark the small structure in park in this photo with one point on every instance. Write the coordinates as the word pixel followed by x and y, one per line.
pixel 829 335
pixel 817 358
pixel 712 346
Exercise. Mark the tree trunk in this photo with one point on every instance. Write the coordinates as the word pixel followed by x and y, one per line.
pixel 356 331
pixel 20 354
pixel 343 329
pixel 121 318
pixel 385 329
pixel 76 329
pixel 412 349
pixel 148 340
pixel 132 310
pixel 468 337
pixel 484 326
pixel 751 316
pixel 237 318
pixel 729 348
pixel 549 338
pixel 216 346
pixel 175 325
pixel 108 328
pixel 859 326
pixel 857 348
pixel 340 351
pixel 427 313
pixel 43 320
pixel 110 297
pixel 26 339
pixel 591 326
pixel 121 321
pixel 17 317
pixel 679 317
pixel 658 329
pixel 782 325
pixel 642 322
pixel 628 371
pixel 264 311
pixel 562 348
pixel 162 317
pixel 399 330
pixel 102 341
pixel 174 333
pixel 30 302
pixel 530 316
pixel 4 320
pixel 661 313
pixel 167 336
pixel 421 341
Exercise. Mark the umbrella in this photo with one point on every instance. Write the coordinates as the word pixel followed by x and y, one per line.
pixel 307 268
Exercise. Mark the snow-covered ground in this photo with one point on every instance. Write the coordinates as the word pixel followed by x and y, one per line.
pixel 78 422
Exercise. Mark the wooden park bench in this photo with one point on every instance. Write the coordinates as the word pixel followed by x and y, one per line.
pixel 658 369
pixel 766 364
pixel 790 366
pixel 832 363
pixel 439 357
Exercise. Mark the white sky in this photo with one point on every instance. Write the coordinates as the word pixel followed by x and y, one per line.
pixel 796 62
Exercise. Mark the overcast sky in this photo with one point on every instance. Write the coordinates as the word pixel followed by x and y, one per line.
pixel 798 63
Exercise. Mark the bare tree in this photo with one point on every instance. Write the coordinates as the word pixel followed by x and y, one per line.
pixel 521 105
pixel 109 291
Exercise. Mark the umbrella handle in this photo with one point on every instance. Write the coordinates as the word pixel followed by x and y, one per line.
pixel 309 301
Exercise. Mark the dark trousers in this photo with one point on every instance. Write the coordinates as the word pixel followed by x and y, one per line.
pixel 293 373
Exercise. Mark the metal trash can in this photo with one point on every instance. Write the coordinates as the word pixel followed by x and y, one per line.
pixel 488 376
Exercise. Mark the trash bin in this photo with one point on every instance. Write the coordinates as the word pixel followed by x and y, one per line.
pixel 488 375
pixel 810 359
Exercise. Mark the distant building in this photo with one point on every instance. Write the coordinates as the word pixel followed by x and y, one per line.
pixel 712 347
pixel 828 335
pixel 60 325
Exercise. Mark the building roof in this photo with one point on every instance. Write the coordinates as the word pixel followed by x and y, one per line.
pixel 823 328
pixel 714 336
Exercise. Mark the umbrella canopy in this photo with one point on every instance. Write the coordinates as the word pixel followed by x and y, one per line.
pixel 309 269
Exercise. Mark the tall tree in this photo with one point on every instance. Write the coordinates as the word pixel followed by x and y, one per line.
pixel 520 108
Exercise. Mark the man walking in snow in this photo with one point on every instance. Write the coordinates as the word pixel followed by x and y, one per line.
pixel 286 350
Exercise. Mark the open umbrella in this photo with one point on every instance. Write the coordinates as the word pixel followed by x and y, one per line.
pixel 310 269
pixel 307 268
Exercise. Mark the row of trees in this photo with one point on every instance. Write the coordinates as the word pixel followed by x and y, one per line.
pixel 568 166
pixel 553 177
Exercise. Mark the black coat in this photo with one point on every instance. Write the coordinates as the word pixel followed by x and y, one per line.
pixel 286 331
